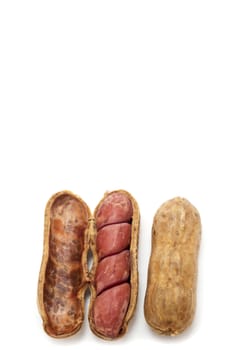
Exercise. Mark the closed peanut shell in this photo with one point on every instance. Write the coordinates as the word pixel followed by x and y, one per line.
pixel 170 298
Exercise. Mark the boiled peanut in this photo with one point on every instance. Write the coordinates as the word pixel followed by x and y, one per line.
pixel 170 298
pixel 112 239
pixel 115 208
pixel 109 310
pixel 112 270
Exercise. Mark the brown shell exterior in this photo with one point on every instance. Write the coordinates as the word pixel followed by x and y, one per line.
pixel 133 268
pixel 87 277
pixel 170 299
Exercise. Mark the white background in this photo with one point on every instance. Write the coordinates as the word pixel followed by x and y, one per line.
pixel 103 95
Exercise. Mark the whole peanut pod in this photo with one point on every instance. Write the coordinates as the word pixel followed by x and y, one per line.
pixel 70 232
pixel 170 298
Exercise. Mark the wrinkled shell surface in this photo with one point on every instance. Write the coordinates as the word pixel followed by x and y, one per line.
pixel 172 274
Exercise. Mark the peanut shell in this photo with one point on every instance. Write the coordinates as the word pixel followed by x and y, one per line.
pixel 170 299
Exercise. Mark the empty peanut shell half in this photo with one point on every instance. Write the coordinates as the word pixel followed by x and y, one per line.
pixel 63 274
pixel 170 298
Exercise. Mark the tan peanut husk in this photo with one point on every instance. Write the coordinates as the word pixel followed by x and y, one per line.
pixel 88 276
pixel 170 299
pixel 134 281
